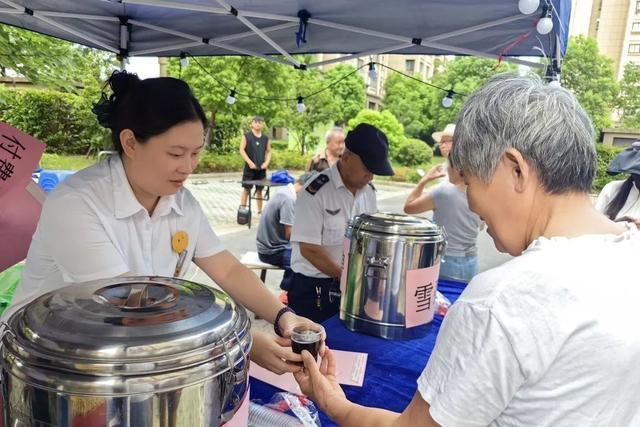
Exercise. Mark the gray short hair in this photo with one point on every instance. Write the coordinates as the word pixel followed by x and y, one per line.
pixel 546 124
pixel 331 132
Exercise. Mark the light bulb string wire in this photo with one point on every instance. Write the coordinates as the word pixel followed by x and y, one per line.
pixel 448 91
pixel 323 89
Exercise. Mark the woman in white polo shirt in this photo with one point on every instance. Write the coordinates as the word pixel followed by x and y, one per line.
pixel 118 217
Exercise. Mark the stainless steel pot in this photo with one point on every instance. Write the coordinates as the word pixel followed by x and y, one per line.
pixel 385 254
pixel 143 351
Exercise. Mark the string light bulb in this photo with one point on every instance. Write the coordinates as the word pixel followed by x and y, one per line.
pixel 527 7
pixel 447 101
pixel 231 98
pixel 300 107
pixel 184 61
pixel 373 74
pixel 545 24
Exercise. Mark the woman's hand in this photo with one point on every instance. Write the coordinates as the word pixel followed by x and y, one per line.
pixel 435 172
pixel 320 384
pixel 274 353
pixel 289 320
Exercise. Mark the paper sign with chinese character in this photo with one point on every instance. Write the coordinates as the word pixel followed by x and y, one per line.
pixel 19 157
pixel 346 244
pixel 421 295
pixel 19 214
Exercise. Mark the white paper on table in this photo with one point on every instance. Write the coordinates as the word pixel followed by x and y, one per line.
pixel 351 367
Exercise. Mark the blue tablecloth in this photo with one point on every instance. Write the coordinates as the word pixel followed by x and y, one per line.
pixel 392 367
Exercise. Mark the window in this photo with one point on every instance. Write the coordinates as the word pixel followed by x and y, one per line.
pixel 635 27
pixel 634 48
pixel 637 6
pixel 372 106
pixel 409 66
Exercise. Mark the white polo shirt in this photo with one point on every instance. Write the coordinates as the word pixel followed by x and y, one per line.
pixel 321 218
pixel 93 227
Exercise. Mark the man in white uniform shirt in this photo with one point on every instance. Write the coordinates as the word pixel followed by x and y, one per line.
pixel 322 212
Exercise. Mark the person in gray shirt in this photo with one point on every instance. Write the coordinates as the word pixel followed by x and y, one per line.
pixel 275 226
pixel 448 200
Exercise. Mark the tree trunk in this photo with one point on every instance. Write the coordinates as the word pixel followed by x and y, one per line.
pixel 209 131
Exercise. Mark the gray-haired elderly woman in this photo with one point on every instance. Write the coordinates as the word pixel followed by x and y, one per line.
pixel 532 342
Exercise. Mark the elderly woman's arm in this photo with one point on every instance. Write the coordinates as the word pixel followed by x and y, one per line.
pixel 320 384
pixel 417 202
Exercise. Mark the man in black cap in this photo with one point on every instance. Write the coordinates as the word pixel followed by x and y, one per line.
pixel 255 149
pixel 321 215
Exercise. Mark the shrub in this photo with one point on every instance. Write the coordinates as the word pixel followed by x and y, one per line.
pixel 63 121
pixel 217 162
pixel 279 144
pixel 232 162
pixel 288 159
pixel 605 156
pixel 413 152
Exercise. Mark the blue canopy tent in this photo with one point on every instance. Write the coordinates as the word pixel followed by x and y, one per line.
pixel 278 29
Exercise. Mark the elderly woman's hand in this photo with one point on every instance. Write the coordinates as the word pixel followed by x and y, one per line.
pixel 435 172
pixel 320 384
pixel 274 353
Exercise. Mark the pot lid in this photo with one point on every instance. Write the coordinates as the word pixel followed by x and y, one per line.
pixel 127 325
pixel 396 224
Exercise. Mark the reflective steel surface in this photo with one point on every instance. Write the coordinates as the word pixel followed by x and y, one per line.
pixel 144 351
pixel 382 247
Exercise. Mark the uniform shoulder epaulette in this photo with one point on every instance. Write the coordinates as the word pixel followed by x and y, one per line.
pixel 317 183
pixel 372 186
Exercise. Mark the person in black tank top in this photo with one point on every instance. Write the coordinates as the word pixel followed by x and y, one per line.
pixel 255 149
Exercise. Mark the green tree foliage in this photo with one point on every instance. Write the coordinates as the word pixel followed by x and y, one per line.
pixel 463 75
pixel 629 99
pixel 347 96
pixel 589 75
pixel 407 100
pixel 52 62
pixel 320 108
pixel 387 123
pixel 253 78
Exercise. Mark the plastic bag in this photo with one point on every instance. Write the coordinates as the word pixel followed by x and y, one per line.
pixel 282 176
pixel 442 304
pixel 276 412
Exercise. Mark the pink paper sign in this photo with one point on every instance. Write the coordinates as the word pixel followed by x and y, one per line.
pixel 350 366
pixel 19 157
pixel 346 244
pixel 241 417
pixel 420 295
pixel 19 215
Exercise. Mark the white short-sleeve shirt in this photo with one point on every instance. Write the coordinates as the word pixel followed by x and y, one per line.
pixel 322 217
pixel 549 338
pixel 92 227
pixel 631 207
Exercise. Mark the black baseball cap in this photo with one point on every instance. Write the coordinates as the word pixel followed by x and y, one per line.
pixel 257 119
pixel 371 144
pixel 628 161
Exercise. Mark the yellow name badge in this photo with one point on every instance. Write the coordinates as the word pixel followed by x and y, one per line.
pixel 179 244
pixel 180 241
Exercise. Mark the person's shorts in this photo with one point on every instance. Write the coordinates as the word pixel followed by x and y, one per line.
pixel 253 175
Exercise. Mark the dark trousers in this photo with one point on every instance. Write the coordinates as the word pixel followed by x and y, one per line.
pixel 283 260
pixel 303 297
